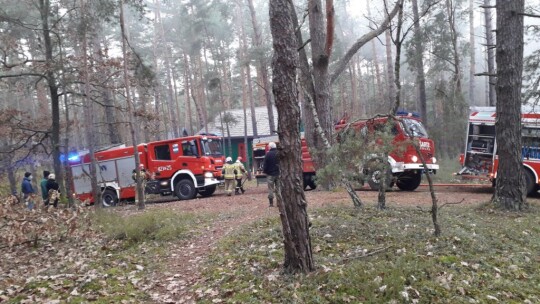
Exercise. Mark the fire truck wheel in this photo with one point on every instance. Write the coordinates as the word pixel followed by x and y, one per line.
pixel 529 182
pixel 409 182
pixel 109 198
pixel 185 189
pixel 374 179
pixel 207 191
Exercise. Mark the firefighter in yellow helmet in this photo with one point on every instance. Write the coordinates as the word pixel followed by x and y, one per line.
pixel 229 173
pixel 240 171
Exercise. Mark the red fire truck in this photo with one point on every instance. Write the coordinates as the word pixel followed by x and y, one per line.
pixel 405 166
pixel 480 159
pixel 181 166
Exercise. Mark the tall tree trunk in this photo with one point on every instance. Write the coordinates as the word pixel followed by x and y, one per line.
pixel 195 96
pixel 451 13
pixel 257 38
pixel 322 100
pixel 89 115
pixel 171 95
pixel 361 92
pixel 140 190
pixel 252 104
pixel 290 193
pixel 354 90
pixel 187 89
pixel 390 68
pixel 375 58
pixel 472 68
pixel 510 190
pixel 490 45
pixel 157 84
pixel 44 8
pixel 419 65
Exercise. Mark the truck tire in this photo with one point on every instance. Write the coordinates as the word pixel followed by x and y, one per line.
pixel 185 189
pixel 409 182
pixel 530 185
pixel 374 179
pixel 207 191
pixel 309 181
pixel 109 198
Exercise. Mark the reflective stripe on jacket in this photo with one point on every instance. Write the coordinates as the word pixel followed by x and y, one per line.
pixel 229 171
pixel 240 170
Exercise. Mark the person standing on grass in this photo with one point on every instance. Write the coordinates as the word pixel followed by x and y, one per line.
pixel 28 191
pixel 271 169
pixel 229 173
pixel 43 186
pixel 240 171
pixel 52 190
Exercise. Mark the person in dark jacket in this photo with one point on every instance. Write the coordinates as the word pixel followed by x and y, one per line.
pixel 28 190
pixel 271 169
pixel 52 189
pixel 43 186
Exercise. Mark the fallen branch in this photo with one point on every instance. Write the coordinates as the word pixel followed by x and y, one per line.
pixel 452 203
pixel 374 252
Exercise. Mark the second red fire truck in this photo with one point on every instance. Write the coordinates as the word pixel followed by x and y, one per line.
pixel 480 159
pixel 405 166
pixel 183 167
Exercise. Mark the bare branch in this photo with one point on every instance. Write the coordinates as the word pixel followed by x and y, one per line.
pixel 342 63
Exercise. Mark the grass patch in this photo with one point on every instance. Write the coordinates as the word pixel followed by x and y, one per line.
pixel 448 166
pixel 483 256
pixel 152 225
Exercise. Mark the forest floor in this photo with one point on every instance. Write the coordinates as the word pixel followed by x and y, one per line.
pixel 177 262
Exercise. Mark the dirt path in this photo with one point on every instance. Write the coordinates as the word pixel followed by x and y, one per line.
pixel 185 260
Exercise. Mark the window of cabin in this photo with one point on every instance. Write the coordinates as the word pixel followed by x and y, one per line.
pixel 162 152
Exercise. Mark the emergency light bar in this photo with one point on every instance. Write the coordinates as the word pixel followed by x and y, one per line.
pixel 407 114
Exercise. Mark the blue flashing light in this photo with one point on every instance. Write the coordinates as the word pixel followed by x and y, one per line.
pixel 72 157
pixel 407 114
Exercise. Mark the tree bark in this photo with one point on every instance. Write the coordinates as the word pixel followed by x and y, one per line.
pixel 187 89
pixel 257 38
pixel 44 8
pixel 510 189
pixel 140 190
pixel 89 114
pixel 290 193
pixel 490 45
pixel 451 13
pixel 472 68
pixel 419 63
pixel 390 67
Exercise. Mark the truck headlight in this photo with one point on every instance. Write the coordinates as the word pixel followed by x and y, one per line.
pixel 434 160
pixel 414 158
pixel 208 174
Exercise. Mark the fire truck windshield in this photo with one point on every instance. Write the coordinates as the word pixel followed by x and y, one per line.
pixel 212 147
pixel 415 128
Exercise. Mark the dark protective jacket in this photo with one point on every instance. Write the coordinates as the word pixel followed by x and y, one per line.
pixel 44 191
pixel 26 186
pixel 52 184
pixel 271 165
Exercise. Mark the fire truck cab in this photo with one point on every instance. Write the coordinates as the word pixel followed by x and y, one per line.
pixel 184 166
pixel 480 160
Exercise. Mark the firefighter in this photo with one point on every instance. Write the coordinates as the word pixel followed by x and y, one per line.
pixel 143 176
pixel 240 171
pixel 229 173
pixel 271 169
